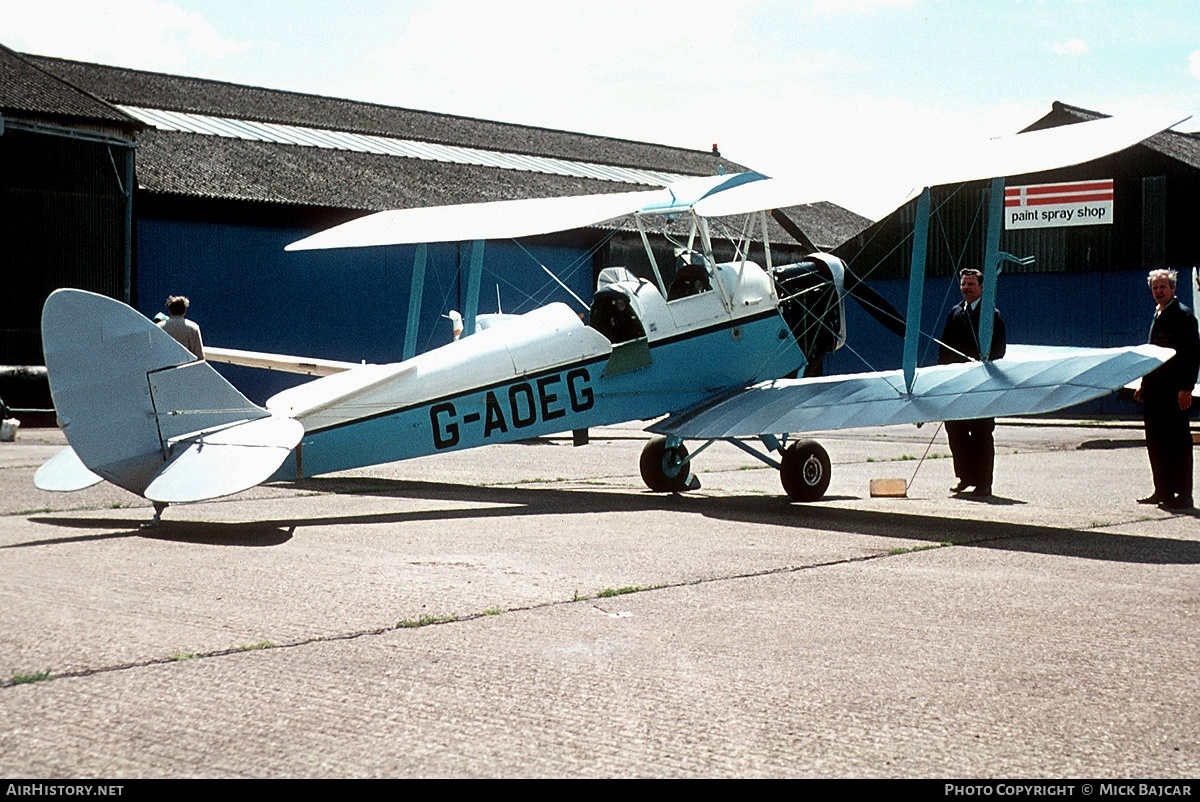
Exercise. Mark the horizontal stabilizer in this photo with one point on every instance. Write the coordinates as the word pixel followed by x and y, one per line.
pixel 225 461
pixel 333 391
pixel 1029 380
pixel 65 472
pixel 307 366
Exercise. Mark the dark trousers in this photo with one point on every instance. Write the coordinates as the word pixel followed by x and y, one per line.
pixel 1169 444
pixel 973 447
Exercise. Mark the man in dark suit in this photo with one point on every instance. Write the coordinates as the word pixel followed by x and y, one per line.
pixel 971 441
pixel 1166 396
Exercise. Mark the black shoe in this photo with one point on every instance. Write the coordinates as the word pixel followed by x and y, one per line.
pixel 1154 498
pixel 983 491
pixel 1181 503
pixel 961 487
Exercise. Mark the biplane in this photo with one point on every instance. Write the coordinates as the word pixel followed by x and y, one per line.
pixel 718 353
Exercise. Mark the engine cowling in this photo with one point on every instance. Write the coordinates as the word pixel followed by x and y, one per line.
pixel 811 299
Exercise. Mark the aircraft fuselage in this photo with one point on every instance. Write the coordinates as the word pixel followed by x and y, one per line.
pixel 543 373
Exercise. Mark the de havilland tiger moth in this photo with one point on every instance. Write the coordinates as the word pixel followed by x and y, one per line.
pixel 719 353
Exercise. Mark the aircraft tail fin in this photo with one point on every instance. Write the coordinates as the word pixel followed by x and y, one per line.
pixel 138 408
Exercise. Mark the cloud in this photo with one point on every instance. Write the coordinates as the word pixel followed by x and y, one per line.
pixel 1071 47
pixel 832 7
pixel 145 34
pixel 1194 64
pixel 582 66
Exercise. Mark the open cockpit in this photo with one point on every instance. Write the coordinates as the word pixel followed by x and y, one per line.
pixel 700 291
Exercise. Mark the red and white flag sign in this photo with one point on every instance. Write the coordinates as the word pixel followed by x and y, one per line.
pixel 1075 203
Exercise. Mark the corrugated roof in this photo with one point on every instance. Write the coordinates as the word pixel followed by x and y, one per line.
pixel 827 224
pixel 219 167
pixel 390 146
pixel 28 90
pixel 218 98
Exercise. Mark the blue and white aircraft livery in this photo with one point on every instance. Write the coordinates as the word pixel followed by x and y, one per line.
pixel 715 351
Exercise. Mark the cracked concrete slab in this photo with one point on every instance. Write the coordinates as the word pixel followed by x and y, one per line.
pixel 530 610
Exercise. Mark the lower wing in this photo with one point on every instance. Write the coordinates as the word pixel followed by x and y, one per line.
pixel 1028 380
pixel 281 362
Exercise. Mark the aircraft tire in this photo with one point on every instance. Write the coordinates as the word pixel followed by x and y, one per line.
pixel 663 469
pixel 804 470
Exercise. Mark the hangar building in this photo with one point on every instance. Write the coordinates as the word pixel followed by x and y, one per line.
pixel 138 185
pixel 66 168
pixel 226 175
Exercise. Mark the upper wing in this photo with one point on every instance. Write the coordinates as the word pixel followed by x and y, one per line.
pixel 1048 149
pixel 515 218
pixel 717 196
pixel 471 221
pixel 1017 154
pixel 1028 380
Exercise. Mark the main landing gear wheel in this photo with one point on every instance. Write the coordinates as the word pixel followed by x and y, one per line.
pixel 666 469
pixel 804 470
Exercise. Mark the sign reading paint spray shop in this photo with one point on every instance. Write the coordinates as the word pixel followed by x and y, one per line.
pixel 1075 203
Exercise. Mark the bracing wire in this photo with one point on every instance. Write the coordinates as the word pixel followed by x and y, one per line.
pixel 928 446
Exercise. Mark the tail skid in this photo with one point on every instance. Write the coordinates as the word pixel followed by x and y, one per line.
pixel 141 412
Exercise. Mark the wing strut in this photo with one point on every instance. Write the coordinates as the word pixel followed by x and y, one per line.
pixel 991 267
pixel 474 278
pixel 416 290
pixel 916 289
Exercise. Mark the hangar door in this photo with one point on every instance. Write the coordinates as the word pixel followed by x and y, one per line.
pixel 64 222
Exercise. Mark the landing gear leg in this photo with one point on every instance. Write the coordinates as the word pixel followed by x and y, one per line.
pixel 666 468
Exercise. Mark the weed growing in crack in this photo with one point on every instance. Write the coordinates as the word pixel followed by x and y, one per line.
pixel 34 676
pixel 425 621
pixel 254 647
pixel 609 592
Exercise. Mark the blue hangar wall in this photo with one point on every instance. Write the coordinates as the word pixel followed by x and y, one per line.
pixel 352 305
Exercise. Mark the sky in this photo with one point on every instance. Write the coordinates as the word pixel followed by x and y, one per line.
pixel 850 96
